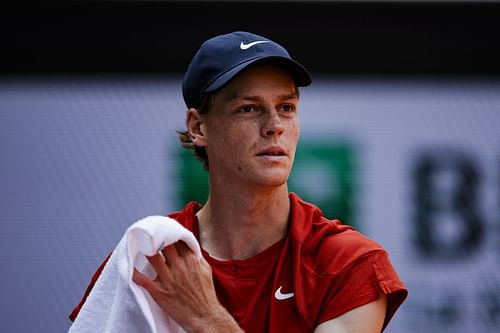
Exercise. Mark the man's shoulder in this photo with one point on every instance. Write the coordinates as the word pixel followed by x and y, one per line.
pixel 336 236
pixel 317 232
pixel 332 247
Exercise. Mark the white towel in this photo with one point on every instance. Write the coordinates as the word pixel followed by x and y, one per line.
pixel 116 303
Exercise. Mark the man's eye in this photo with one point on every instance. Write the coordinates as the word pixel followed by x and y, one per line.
pixel 288 107
pixel 247 108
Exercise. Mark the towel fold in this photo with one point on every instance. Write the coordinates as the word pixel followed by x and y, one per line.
pixel 116 303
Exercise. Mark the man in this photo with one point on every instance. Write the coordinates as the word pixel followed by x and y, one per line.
pixel 271 262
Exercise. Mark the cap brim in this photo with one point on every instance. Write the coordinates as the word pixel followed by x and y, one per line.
pixel 297 71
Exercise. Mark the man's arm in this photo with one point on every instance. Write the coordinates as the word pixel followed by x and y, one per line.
pixel 368 318
pixel 184 289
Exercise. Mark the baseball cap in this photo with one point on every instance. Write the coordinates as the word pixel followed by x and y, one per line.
pixel 223 57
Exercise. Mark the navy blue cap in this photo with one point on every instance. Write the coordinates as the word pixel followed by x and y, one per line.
pixel 222 57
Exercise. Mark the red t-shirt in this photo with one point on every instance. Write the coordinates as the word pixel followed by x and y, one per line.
pixel 321 270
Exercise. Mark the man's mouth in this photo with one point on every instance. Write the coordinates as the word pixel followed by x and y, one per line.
pixel 273 151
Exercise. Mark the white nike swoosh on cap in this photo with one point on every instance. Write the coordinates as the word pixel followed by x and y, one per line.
pixel 280 296
pixel 244 46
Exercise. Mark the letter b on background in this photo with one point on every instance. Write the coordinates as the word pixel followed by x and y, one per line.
pixel 446 218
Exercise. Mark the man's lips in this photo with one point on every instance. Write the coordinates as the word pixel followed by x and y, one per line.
pixel 272 151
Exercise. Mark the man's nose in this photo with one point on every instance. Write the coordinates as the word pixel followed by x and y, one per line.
pixel 273 125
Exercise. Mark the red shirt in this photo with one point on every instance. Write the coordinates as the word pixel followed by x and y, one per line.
pixel 321 270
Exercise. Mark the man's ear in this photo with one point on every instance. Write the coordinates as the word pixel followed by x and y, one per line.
pixel 196 128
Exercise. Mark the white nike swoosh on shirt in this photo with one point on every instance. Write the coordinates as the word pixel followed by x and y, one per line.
pixel 244 46
pixel 280 296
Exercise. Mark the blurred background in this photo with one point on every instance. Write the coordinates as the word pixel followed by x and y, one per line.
pixel 400 138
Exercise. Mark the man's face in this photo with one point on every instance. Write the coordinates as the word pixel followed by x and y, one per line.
pixel 252 128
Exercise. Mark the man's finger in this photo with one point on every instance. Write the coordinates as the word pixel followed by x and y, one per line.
pixel 170 254
pixel 159 265
pixel 182 249
pixel 142 280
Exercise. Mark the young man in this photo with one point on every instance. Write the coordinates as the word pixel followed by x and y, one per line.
pixel 271 262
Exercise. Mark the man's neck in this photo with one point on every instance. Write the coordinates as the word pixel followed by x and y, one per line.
pixel 240 225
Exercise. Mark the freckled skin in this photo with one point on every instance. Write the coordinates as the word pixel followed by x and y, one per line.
pixel 255 111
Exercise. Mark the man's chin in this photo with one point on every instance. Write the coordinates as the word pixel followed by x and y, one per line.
pixel 274 179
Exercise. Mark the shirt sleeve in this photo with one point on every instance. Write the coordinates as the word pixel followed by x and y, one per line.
pixel 361 283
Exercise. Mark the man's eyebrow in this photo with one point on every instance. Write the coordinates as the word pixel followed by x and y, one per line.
pixel 292 95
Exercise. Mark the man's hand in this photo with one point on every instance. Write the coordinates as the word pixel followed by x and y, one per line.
pixel 184 288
